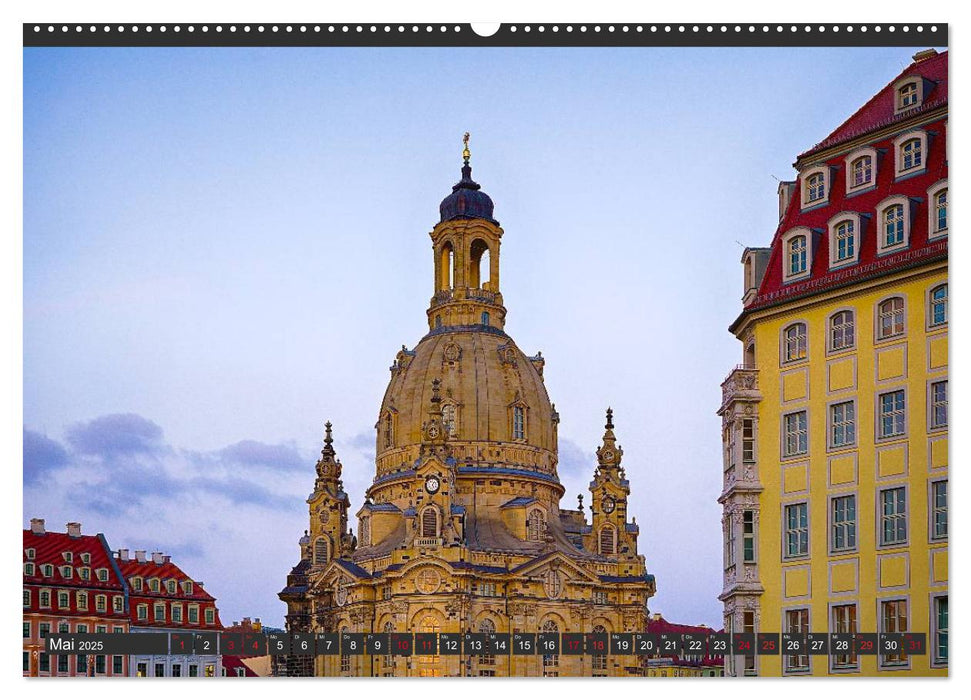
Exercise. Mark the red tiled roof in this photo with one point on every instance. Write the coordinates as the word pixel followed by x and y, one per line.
pixel 774 290
pixel 49 548
pixel 658 625
pixel 165 571
pixel 232 663
pixel 879 111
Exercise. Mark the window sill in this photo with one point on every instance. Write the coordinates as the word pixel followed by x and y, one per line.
pixel 860 189
pixel 909 173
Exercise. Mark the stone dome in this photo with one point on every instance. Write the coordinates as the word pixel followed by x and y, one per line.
pixel 467 200
pixel 484 378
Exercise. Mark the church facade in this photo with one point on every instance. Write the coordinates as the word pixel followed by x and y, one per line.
pixel 462 529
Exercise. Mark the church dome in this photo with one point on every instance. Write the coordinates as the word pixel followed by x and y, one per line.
pixel 495 408
pixel 467 200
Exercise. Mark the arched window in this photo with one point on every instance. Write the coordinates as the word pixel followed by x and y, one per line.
pixel 911 155
pixel 364 531
pixel 845 240
pixel 797 255
pixel 940 211
pixel 841 331
pixel 862 171
pixel 479 264
pixel 518 423
pixel 608 540
pixel 321 550
pixel 487 626
pixel 388 430
pixel 599 661
pixel 893 225
pixel 551 662
pixel 815 188
pixel 794 338
pixel 388 661
pixel 939 305
pixel 890 315
pixel 448 419
pixel 485 318
pixel 429 522
pixel 907 96
pixel 446 267
pixel 534 525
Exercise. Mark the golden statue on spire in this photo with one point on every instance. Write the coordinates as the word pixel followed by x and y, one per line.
pixel 466 153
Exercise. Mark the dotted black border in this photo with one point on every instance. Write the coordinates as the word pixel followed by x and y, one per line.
pixel 379 34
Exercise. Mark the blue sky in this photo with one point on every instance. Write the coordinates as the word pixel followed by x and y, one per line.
pixel 223 248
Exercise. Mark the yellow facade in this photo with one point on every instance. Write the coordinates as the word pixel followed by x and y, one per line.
pixel 835 426
pixel 871 573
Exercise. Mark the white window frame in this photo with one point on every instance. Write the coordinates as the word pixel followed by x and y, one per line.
pixel 787 275
pixel 932 230
pixel 933 509
pixel 932 424
pixel 878 319
pixel 830 328
pixel 900 85
pixel 784 350
pixel 882 208
pixel 799 530
pixel 882 517
pixel 800 434
pixel 849 526
pixel 898 153
pixel 851 159
pixel 835 223
pixel 804 179
pixel 880 415
pixel 850 423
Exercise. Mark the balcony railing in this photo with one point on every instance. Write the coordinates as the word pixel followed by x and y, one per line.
pixel 427 541
pixel 741 383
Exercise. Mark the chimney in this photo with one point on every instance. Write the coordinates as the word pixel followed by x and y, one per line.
pixel 157 557
pixel 140 556
pixel 123 554
pixel 37 526
pixel 166 559
pixel 74 529
pixel 924 55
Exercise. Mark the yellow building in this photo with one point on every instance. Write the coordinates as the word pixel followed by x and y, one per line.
pixel 462 529
pixel 835 426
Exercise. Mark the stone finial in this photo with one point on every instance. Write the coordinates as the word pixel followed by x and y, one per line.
pixel 466 153
pixel 580 501
pixel 328 450
pixel 610 419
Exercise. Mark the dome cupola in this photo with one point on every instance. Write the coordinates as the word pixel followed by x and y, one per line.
pixel 467 200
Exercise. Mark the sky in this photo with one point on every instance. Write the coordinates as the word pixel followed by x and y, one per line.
pixel 224 248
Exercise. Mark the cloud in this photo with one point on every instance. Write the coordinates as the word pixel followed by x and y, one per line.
pixel 41 456
pixel 574 461
pixel 116 434
pixel 363 441
pixel 253 453
pixel 120 463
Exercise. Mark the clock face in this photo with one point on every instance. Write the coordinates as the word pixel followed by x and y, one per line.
pixel 608 455
pixel 433 431
pixel 432 484
pixel 323 515
pixel 608 504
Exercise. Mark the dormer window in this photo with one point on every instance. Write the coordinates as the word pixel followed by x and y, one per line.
pixel 68 556
pixel 937 210
pixel 170 586
pixel 136 583
pixel 85 558
pixel 534 525
pixel 797 255
pixel 862 171
pixel 47 570
pixel 815 189
pixel 31 552
pixel 911 153
pixel 894 213
pixel 907 96
pixel 861 167
pixel 187 587
pixel 153 585
pixel 845 230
